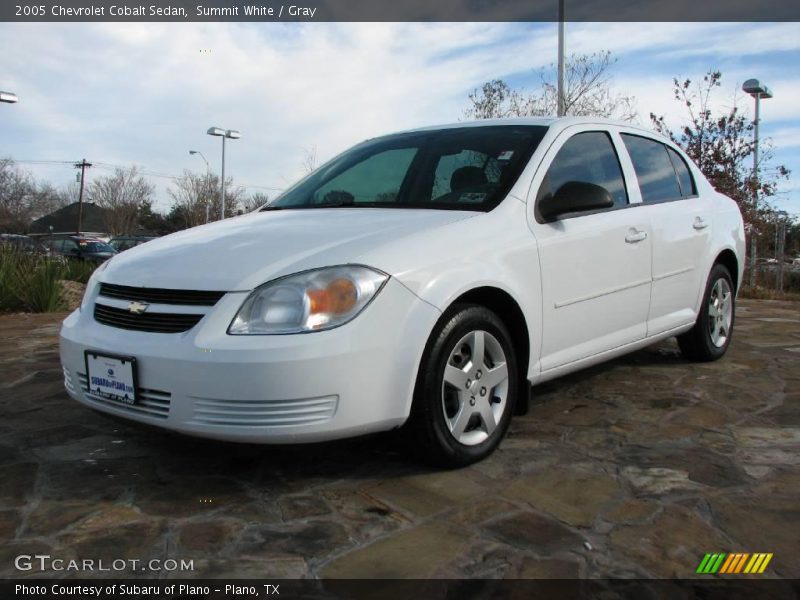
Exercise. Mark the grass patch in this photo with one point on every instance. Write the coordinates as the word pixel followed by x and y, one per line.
pixel 764 293
pixel 79 270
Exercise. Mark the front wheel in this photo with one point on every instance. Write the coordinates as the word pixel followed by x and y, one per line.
pixel 711 335
pixel 466 389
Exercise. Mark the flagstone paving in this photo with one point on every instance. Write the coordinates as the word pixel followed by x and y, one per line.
pixel 634 468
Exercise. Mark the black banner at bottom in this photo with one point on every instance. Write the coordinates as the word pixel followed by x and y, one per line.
pixel 406 589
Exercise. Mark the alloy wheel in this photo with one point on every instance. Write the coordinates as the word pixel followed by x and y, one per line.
pixel 475 387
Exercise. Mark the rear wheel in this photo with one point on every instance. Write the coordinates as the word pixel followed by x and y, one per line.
pixel 711 335
pixel 466 389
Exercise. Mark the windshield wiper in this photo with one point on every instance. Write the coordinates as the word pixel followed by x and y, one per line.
pixel 268 207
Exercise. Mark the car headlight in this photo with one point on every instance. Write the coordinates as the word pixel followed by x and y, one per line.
pixel 310 301
pixel 90 285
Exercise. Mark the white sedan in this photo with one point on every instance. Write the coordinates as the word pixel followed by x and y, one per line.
pixel 421 280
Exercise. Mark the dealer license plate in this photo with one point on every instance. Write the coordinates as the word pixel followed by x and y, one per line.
pixel 112 377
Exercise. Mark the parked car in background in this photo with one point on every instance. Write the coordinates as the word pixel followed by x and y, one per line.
pixel 122 243
pixel 22 243
pixel 421 280
pixel 80 247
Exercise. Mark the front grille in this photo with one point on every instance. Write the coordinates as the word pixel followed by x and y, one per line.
pixel 160 296
pixel 153 322
pixel 149 403
pixel 264 413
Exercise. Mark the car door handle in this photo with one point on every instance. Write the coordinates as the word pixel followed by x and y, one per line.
pixel 700 223
pixel 635 236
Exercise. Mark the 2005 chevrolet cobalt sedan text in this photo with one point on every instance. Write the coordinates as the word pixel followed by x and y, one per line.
pixel 422 279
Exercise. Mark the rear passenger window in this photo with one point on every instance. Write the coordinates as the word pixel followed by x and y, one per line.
pixel 587 157
pixel 657 179
pixel 684 175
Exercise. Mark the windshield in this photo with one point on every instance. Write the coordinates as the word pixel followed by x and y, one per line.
pixel 96 247
pixel 466 168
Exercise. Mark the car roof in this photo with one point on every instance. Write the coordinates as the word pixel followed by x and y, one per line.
pixel 559 122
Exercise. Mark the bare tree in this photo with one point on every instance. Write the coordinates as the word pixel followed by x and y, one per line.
pixel 310 159
pixel 70 193
pixel 122 195
pixel 722 146
pixel 253 202
pixel 46 199
pixel 587 92
pixel 195 195
pixel 16 190
pixel 191 195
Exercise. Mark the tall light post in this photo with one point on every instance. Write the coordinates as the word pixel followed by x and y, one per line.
pixel 208 177
pixel 224 134
pixel 757 90
pixel 562 109
pixel 8 97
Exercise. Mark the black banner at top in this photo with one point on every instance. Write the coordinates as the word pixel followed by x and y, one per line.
pixel 398 10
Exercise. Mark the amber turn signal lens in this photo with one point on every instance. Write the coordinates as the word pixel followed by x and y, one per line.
pixel 338 298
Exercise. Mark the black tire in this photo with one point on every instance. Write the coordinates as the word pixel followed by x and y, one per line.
pixel 698 344
pixel 427 431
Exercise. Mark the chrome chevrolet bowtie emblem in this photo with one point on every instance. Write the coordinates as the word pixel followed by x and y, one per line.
pixel 138 308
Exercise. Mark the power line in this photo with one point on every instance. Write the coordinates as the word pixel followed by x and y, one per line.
pixel 144 171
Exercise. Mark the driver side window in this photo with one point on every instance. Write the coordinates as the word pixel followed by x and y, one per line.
pixel 587 157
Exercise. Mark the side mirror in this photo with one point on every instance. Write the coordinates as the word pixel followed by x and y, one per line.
pixel 575 196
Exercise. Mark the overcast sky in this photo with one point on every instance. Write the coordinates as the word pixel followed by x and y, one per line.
pixel 145 93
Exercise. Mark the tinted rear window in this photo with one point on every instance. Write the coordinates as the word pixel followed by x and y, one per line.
pixel 685 178
pixel 654 171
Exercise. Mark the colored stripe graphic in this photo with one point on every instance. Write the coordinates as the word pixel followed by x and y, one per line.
pixel 727 564
pixel 740 564
pixel 734 563
pixel 767 558
pixel 730 564
pixel 711 562
pixel 703 564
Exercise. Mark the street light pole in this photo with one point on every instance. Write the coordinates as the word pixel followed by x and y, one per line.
pixel 224 134
pixel 208 178
pixel 757 90
pixel 562 109
pixel 8 97
pixel 222 183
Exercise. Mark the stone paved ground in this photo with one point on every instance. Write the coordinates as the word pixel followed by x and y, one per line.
pixel 634 468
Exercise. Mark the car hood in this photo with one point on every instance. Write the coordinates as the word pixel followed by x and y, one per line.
pixel 244 252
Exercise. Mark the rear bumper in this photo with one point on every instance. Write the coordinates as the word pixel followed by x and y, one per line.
pixel 355 379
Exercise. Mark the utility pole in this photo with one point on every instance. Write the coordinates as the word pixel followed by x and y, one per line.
pixel 83 165
pixel 562 109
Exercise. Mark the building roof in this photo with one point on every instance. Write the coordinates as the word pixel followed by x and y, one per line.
pixel 65 220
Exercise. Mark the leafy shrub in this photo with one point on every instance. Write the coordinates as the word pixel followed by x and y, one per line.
pixel 78 270
pixel 39 288
pixel 30 282
pixel 9 266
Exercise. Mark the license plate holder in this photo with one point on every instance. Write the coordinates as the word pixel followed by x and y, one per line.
pixel 111 376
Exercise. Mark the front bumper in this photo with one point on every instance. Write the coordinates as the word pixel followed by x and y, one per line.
pixel 355 379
